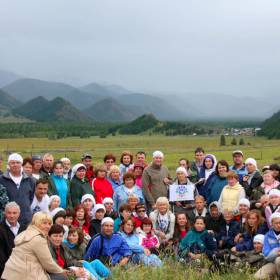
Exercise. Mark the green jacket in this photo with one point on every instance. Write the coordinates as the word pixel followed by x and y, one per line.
pixel 78 188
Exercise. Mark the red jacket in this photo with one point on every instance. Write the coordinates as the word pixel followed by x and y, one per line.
pixel 90 173
pixel 102 188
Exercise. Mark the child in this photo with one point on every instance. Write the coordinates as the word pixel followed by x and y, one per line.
pixel 163 221
pixel 273 206
pixel 125 213
pixel 88 202
pixel 197 242
pixel 95 223
pixel 215 219
pixel 229 230
pixel 110 212
pixel 199 211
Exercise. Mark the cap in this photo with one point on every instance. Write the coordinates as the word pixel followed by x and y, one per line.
pixel 84 156
pixel 237 152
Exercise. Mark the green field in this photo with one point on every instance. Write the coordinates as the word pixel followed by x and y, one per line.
pixel 263 150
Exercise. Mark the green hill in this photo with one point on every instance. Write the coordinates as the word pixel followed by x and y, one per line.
pixel 8 101
pixel 271 127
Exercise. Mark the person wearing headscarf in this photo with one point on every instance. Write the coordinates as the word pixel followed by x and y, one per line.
pixel 98 213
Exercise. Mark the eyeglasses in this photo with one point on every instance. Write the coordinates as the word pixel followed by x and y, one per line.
pixel 139 211
pixel 109 161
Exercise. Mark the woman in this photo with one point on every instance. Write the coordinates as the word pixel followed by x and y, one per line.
pixel 138 169
pixel 101 186
pixel 27 166
pixel 110 212
pixel 115 177
pixel 231 193
pixel 218 182
pixel 31 258
pixel 182 226
pixel 182 179
pixel 58 185
pixel 253 179
pixel 139 253
pixel 81 219
pixel 126 162
pixel 97 216
pixel 128 188
pixel 88 202
pixel 275 168
pixel 79 184
pixel 163 221
pixel 206 174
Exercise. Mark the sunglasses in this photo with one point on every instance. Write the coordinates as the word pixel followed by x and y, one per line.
pixel 139 211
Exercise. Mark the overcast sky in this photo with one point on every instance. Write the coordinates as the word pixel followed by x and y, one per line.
pixel 225 46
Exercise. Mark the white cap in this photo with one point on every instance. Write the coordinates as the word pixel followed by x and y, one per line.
pixel 56 210
pixel 107 200
pixel 259 238
pixel 158 154
pixel 76 167
pixel 274 216
pixel 15 157
pixel 88 196
pixel 96 208
pixel 107 220
pixel 182 169
pixel 251 161
pixel 244 201
pixel 52 197
pixel 274 192
pixel 237 152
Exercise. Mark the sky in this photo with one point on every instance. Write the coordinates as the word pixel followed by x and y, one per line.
pixel 222 46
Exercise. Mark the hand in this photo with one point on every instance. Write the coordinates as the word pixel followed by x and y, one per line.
pixel 162 235
pixel 200 181
pixel 147 252
pixel 211 231
pixel 245 178
pixel 258 205
pixel 178 203
pixel 81 272
pixel 237 237
pixel 233 250
pixel 166 181
pixel 124 261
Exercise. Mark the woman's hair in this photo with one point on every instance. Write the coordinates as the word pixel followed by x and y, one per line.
pixel 126 153
pixel 86 215
pixel 70 213
pixel 27 160
pixel 199 218
pixel 80 233
pixel 128 175
pixel 57 163
pixel 113 168
pixel 40 217
pixel 146 221
pixel 56 229
pixel 109 156
pixel 59 214
pixel 133 196
pixel 260 221
pixel 99 168
pixel 162 200
pixel 223 163
pixel 125 222
pixel 187 227
pixel 123 207
pixel 232 174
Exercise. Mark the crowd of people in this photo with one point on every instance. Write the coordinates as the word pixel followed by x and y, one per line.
pixel 60 220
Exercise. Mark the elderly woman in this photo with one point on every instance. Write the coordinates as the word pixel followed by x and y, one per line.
pixel 79 184
pixel 128 188
pixel 115 177
pixel 126 162
pixel 31 257
pixel 231 193
pixel 253 179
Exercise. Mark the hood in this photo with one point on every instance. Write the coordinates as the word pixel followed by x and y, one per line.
pixel 28 235
pixel 218 206
pixel 213 159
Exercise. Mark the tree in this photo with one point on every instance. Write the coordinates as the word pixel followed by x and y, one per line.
pixel 233 141
pixel 222 140
pixel 241 142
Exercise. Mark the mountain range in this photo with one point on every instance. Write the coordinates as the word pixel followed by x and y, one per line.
pixel 39 100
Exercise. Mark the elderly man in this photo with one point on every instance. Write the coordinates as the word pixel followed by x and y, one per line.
pixel 66 162
pixel 9 229
pixel 155 180
pixel 109 247
pixel 20 188
pixel 47 167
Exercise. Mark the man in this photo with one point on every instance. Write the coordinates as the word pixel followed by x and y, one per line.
pixel 66 162
pixel 155 180
pixel 87 161
pixel 20 188
pixel 109 247
pixel 47 167
pixel 198 162
pixel 9 229
pixel 141 158
pixel 41 199
pixel 36 166
pixel 238 164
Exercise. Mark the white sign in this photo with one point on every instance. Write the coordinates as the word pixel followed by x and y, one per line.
pixel 181 192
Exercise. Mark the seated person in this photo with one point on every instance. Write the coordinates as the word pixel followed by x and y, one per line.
pixel 182 226
pixel 95 223
pixel 125 213
pixel 110 212
pixel 215 219
pixel 199 211
pixel 273 206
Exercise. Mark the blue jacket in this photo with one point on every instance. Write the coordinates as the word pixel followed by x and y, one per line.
pixel 240 172
pixel 115 184
pixel 22 195
pixel 114 247
pixel 215 188
pixel 271 246
pixel 121 195
pixel 228 236
pixel 203 188
pixel 247 243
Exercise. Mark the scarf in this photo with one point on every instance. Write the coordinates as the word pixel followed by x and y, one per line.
pixel 60 261
pixel 203 214
pixel 69 245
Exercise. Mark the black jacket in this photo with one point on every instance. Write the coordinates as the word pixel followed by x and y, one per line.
pixel 95 227
pixel 255 182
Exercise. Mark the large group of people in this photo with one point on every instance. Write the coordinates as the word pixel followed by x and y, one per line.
pixel 60 221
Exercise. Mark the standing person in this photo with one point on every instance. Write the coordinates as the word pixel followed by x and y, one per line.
pixel 238 164
pixel 66 162
pixel 109 160
pixel 138 169
pixel 59 186
pixel 100 185
pixel 197 163
pixel 115 177
pixel 192 175
pixel 20 188
pixel 9 229
pixel 87 162
pixel 47 165
pixel 126 162
pixel 1 164
pixel 36 166
pixel 27 166
pixel 275 168
pixel 31 257
pixel 155 180
pixel 141 158
pixel 41 199
pixel 4 199
pixel 79 184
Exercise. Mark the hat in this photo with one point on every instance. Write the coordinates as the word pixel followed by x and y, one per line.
pixel 55 211
pixel 237 152
pixel 251 161
pixel 76 167
pixel 259 238
pixel 274 192
pixel 36 157
pixel 64 159
pixel 52 197
pixel 158 154
pixel 97 207
pixel 87 196
pixel 107 220
pixel 182 169
pixel 84 156
pixel 244 201
pixel 274 216
pixel 107 200
pixel 15 157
